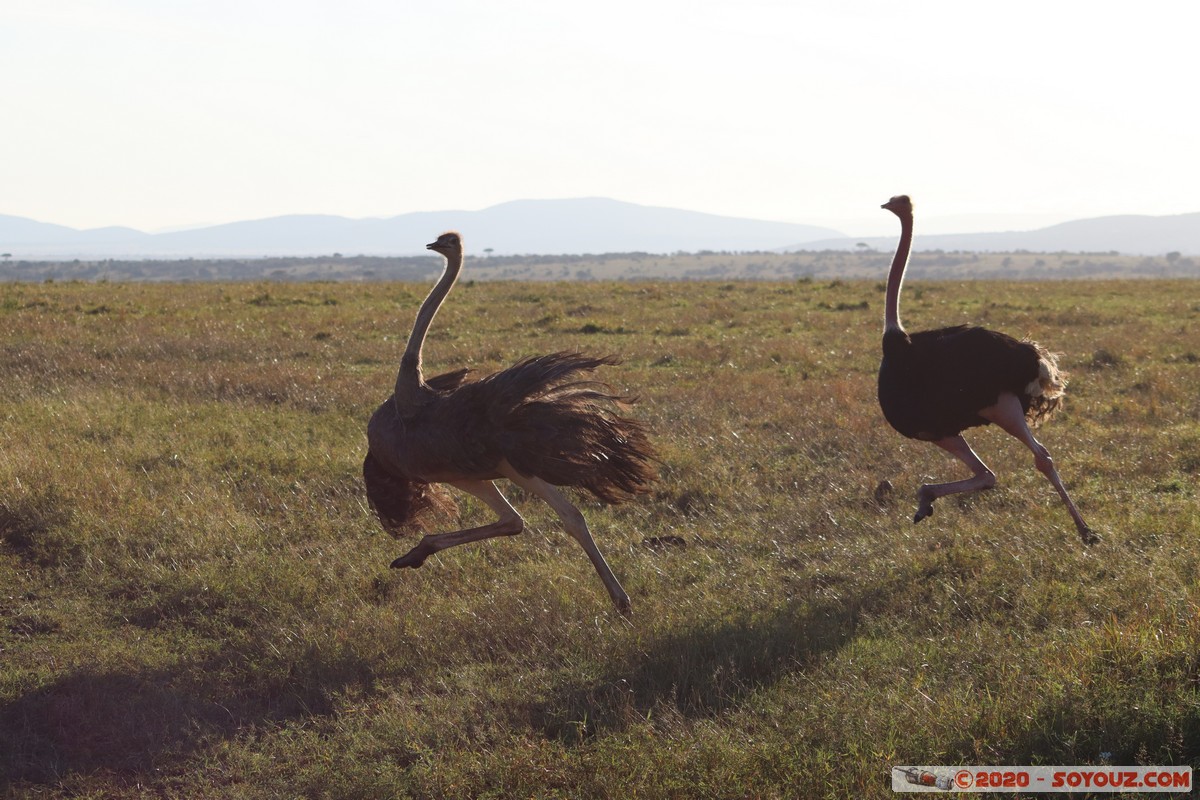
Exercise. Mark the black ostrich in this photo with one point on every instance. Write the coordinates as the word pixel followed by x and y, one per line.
pixel 935 384
pixel 540 423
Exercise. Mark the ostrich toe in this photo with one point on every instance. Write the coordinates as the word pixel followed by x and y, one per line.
pixel 410 559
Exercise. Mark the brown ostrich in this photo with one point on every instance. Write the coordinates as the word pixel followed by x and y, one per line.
pixel 541 424
pixel 935 384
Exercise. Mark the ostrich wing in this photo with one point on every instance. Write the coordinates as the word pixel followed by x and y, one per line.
pixel 401 503
pixel 448 381
pixel 975 365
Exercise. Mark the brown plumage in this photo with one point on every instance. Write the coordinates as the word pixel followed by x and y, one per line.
pixel 935 384
pixel 537 415
pixel 542 423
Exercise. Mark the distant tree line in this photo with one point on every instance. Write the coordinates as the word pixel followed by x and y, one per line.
pixel 704 265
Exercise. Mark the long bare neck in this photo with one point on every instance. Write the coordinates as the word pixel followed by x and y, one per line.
pixel 891 312
pixel 411 389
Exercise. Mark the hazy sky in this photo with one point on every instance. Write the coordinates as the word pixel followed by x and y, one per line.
pixel 168 113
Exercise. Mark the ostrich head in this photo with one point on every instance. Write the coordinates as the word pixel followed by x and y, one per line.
pixel 900 205
pixel 447 243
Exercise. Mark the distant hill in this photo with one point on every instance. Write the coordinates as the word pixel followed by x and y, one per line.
pixel 535 227
pixel 568 227
pixel 1127 234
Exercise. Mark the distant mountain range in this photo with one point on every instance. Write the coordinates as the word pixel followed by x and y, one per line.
pixel 533 227
pixel 571 226
pixel 1126 234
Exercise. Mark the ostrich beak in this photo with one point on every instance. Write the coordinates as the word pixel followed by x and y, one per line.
pixel 431 246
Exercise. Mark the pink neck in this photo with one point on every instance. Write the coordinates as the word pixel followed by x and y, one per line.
pixel 891 312
pixel 410 382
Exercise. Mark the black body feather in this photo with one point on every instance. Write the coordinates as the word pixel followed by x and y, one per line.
pixel 933 384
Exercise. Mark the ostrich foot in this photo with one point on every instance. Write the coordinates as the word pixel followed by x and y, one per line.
pixel 1089 536
pixel 924 505
pixel 412 558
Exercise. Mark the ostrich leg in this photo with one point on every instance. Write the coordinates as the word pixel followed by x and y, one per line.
pixel 1007 414
pixel 576 525
pixel 983 477
pixel 509 524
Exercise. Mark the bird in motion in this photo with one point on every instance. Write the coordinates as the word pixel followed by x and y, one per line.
pixel 542 423
pixel 935 384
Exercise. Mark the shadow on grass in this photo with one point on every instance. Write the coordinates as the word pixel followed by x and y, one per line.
pixel 1096 724
pixel 702 671
pixel 139 721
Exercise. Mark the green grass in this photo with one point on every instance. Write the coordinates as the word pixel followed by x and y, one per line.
pixel 195 599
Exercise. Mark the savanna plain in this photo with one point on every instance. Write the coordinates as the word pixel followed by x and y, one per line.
pixel 195 599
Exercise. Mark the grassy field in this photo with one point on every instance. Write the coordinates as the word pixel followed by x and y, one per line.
pixel 195 600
